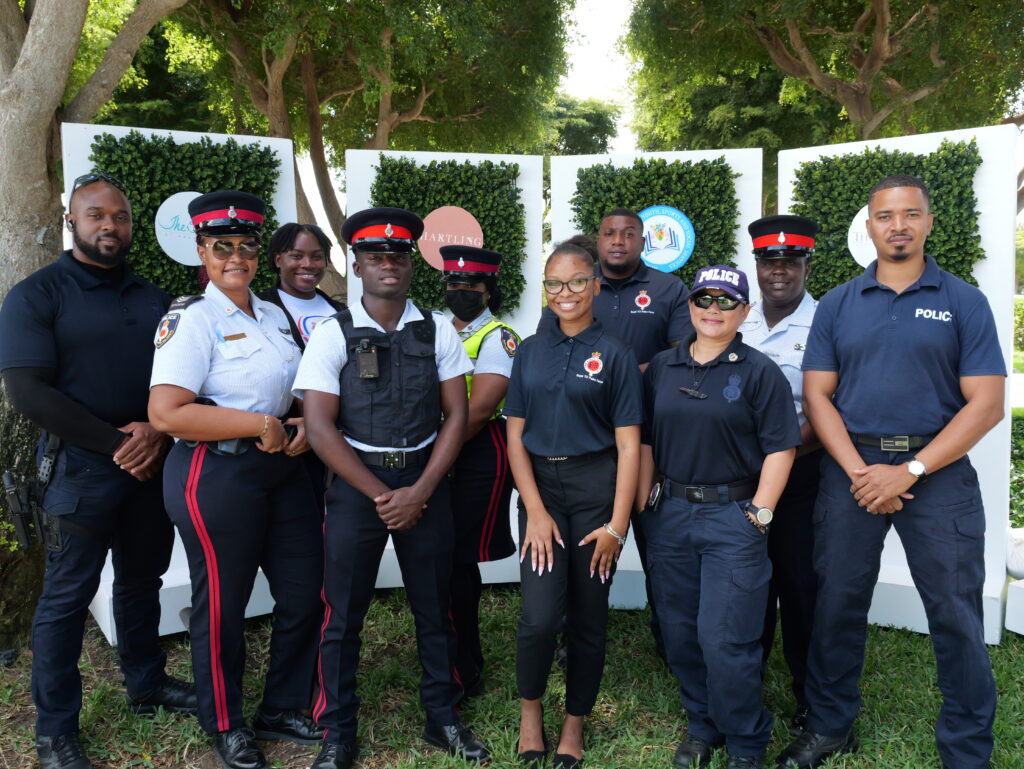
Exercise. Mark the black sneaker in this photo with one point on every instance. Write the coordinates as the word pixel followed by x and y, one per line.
pixel 810 750
pixel 61 752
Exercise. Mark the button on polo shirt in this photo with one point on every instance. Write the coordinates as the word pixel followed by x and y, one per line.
pixel 723 438
pixel 97 335
pixel 900 356
pixel 574 391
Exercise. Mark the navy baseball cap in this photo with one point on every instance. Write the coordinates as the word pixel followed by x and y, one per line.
pixel 728 279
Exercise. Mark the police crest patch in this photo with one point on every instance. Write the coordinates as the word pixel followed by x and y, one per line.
pixel 166 328
pixel 509 342
pixel 643 301
pixel 593 365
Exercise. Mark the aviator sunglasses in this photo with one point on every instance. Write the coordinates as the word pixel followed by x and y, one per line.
pixel 724 302
pixel 223 249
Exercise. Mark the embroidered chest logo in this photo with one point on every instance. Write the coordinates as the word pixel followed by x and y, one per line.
pixel 593 365
pixel 643 301
pixel 732 390
pixel 166 329
pixel 508 342
pixel 800 346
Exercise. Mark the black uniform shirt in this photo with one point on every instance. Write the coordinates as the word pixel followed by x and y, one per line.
pixel 725 437
pixel 573 391
pixel 97 335
pixel 648 311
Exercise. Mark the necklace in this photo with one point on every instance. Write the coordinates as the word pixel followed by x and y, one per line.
pixel 694 392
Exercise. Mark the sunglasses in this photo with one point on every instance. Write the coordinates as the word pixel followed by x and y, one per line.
pixel 724 302
pixel 224 249
pixel 86 179
pixel 576 285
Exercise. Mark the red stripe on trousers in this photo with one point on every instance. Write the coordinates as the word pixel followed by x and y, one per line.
pixel 500 474
pixel 321 700
pixel 213 586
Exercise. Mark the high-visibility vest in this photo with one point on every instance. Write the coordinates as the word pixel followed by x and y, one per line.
pixel 472 347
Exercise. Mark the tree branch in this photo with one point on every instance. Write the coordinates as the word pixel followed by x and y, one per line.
pixel 13 28
pixel 99 89
pixel 317 154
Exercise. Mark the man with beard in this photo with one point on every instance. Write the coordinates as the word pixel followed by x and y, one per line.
pixel 76 349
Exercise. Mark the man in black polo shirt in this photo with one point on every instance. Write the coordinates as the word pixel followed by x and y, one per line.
pixel 76 348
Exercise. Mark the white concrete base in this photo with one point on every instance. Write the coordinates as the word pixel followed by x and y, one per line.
pixel 1015 606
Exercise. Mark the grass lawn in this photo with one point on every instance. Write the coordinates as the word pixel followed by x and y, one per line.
pixel 636 724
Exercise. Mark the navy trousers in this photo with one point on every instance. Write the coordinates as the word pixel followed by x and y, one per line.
pixel 943 532
pixel 90 490
pixel 354 541
pixel 237 514
pixel 709 568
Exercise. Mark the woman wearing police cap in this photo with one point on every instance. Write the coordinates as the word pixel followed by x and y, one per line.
pixel 707 515
pixel 234 484
pixel 481 480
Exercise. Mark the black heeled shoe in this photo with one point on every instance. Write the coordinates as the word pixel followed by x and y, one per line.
pixel 567 761
pixel 535 759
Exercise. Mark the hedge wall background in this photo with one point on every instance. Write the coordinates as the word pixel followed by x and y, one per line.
pixel 833 190
pixel 487 190
pixel 155 167
pixel 704 191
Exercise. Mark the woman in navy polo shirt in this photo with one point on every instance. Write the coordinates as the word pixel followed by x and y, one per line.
pixel 574 407
pixel 719 438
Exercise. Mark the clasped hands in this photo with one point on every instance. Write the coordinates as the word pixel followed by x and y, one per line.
pixel 400 508
pixel 140 453
pixel 882 488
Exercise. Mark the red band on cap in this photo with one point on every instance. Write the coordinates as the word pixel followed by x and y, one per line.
pixel 380 231
pixel 225 213
pixel 452 265
pixel 767 241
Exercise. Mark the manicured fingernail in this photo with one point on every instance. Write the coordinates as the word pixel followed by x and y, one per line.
pixel 522 558
pixel 591 573
pixel 560 542
pixel 581 543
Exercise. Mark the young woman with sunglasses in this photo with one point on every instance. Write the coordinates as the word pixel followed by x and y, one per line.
pixel 574 410
pixel 235 486
pixel 719 439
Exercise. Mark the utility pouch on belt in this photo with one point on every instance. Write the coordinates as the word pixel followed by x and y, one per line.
pixel 24 502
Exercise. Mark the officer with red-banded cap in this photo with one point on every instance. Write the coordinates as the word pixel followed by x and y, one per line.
pixel 385 403
pixel 481 481
pixel 778 326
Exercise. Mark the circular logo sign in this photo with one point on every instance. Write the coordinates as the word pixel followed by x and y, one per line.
pixel 668 238
pixel 857 240
pixel 448 226
pixel 174 230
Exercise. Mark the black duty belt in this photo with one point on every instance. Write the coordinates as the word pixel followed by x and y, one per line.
pixel 723 492
pixel 893 442
pixel 395 460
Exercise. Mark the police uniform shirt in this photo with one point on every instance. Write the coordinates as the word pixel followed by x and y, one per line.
pixel 327 353
pixel 900 356
pixel 95 334
pixel 784 344
pixel 493 357
pixel 648 311
pixel 573 391
pixel 723 438
pixel 217 351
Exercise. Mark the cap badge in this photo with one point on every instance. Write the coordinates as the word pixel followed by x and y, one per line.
pixel 782 237
pixel 232 213
pixel 462 262
pixel 642 300
pixel 389 230
pixel 593 365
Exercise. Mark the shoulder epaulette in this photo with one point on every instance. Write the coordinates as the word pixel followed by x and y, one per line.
pixel 184 301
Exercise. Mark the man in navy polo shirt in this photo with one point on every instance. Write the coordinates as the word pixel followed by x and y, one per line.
pixel 76 349
pixel 902 376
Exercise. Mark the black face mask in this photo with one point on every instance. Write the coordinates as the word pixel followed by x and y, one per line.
pixel 465 304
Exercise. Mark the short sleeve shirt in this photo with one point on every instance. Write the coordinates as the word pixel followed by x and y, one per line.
pixel 900 357
pixel 494 356
pixel 306 313
pixel 96 335
pixel 574 391
pixel 648 311
pixel 723 438
pixel 784 344
pixel 217 351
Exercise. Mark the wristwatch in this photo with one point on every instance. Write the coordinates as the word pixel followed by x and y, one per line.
pixel 761 516
pixel 916 468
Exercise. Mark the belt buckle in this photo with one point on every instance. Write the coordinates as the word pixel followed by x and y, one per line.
pixel 694 493
pixel 896 443
pixel 393 460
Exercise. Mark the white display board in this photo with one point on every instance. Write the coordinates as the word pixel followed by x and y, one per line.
pixel 896 601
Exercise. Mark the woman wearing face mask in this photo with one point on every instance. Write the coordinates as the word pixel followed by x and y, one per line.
pixel 481 481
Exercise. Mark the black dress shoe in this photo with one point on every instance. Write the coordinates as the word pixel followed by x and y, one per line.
pixel 290 725
pixel 61 752
pixel 693 753
pixel 745 762
pixel 336 756
pixel 173 695
pixel 798 723
pixel 458 740
pixel 236 749
pixel 810 750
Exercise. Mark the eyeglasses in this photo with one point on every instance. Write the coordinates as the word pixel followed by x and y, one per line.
pixel 576 285
pixel 86 179
pixel 724 302
pixel 224 249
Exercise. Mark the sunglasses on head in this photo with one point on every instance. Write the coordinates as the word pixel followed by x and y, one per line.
pixel 724 302
pixel 86 179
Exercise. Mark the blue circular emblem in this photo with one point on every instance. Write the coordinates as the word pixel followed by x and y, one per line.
pixel 732 390
pixel 668 238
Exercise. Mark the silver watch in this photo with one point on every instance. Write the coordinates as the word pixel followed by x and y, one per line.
pixel 761 515
pixel 916 468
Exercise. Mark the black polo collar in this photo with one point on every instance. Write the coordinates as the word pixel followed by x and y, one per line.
pixel 589 335
pixel 735 352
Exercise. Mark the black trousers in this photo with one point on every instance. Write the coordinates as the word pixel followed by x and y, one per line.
pixel 794 586
pixel 481 492
pixel 354 541
pixel 579 493
pixel 90 490
pixel 237 514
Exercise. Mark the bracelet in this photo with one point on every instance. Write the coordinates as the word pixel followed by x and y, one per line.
pixel 266 427
pixel 620 537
